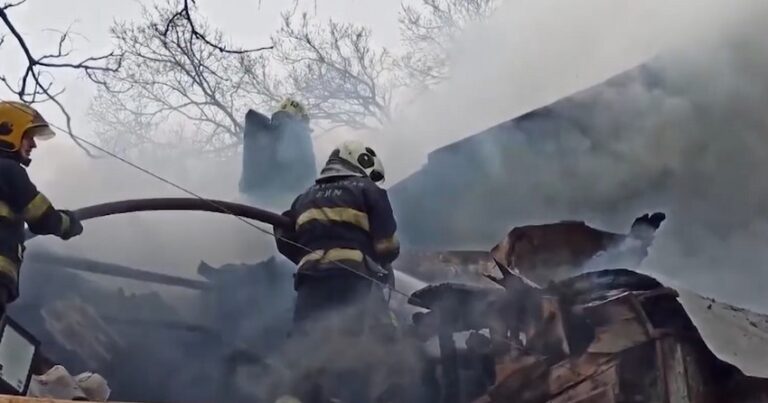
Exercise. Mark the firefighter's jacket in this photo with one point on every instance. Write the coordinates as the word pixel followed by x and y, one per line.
pixel 345 220
pixel 21 202
pixel 278 158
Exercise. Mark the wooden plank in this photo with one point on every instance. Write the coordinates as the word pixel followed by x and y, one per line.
pixel 621 324
pixel 115 270
pixel 507 365
pixel 675 372
pixel 619 336
pixel 76 326
pixel 567 373
pixel 609 310
pixel 515 383
pixel 600 388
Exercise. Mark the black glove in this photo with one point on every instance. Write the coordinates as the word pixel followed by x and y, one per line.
pixel 74 228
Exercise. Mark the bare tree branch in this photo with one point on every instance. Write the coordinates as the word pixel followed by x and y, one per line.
pixel 180 81
pixel 336 71
pixel 171 78
pixel 428 32
pixel 10 5
pixel 32 76
pixel 185 14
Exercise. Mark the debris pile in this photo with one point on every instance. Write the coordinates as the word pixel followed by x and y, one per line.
pixel 545 331
pixel 605 336
pixel 612 335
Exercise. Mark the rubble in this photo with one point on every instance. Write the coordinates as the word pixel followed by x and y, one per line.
pixel 601 336
pixel 604 336
pixel 435 266
pixel 550 251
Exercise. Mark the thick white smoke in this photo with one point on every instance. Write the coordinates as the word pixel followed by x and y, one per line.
pixel 167 242
pixel 685 134
pixel 531 53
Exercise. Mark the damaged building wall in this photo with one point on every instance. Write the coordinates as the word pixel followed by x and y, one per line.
pixel 682 134
pixel 484 169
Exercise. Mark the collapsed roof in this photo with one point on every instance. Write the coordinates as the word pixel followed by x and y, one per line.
pixel 468 192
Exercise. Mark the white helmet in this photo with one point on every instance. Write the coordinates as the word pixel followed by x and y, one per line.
pixel 363 159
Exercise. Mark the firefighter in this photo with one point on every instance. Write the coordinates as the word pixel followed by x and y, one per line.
pixel 278 158
pixel 343 242
pixel 20 128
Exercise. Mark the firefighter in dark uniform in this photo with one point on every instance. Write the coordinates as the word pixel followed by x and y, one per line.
pixel 20 201
pixel 346 229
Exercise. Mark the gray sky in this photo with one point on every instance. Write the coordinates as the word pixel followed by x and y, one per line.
pixel 508 66
pixel 247 22
pixel 73 180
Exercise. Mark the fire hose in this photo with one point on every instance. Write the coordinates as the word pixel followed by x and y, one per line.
pixel 186 204
pixel 178 204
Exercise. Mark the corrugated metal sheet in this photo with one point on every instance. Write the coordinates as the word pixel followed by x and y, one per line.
pixel 735 335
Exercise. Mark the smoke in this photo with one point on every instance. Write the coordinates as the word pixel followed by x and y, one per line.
pixel 248 305
pixel 168 242
pixel 532 53
pixel 685 134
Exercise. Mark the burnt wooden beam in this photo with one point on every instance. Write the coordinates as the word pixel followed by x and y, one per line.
pixel 114 270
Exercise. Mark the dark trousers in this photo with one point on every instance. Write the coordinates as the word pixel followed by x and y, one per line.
pixel 333 313
pixel 343 296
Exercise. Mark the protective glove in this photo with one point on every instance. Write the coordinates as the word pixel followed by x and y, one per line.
pixel 74 228
pixel 286 242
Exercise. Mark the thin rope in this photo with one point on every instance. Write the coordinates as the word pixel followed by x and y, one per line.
pixel 317 254
pixel 146 171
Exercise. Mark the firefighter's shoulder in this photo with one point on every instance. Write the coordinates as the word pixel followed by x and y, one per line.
pixel 12 169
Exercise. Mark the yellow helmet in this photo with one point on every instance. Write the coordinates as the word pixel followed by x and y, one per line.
pixel 295 108
pixel 16 119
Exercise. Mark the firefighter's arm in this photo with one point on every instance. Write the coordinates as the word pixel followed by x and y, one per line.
pixel 37 211
pixel 285 239
pixel 383 226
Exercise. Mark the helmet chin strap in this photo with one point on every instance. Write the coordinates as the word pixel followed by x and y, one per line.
pixel 16 156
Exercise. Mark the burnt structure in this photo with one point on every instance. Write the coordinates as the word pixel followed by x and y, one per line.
pixel 467 192
pixel 278 158
pixel 603 337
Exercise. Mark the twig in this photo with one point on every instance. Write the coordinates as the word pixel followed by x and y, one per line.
pixel 194 33
pixel 7 6
pixel 40 88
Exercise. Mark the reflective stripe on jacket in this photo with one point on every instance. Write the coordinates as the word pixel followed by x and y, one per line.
pixel 21 202
pixel 341 219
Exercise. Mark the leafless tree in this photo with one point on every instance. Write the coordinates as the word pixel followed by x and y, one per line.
pixel 174 70
pixel 428 32
pixel 342 77
pixel 36 83
pixel 178 71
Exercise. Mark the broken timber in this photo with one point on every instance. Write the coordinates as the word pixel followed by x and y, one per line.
pixel 601 337
pixel 115 270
